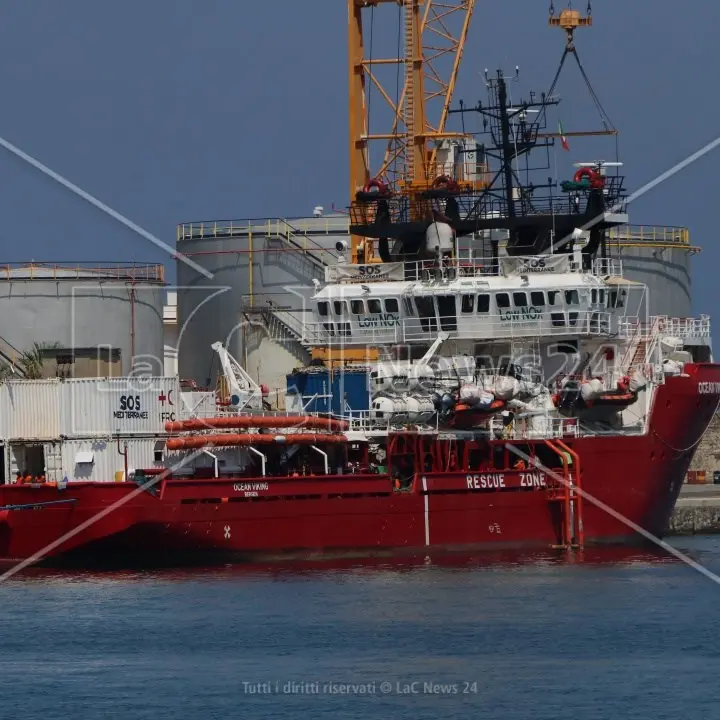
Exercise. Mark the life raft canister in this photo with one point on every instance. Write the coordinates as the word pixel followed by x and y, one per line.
pixel 596 180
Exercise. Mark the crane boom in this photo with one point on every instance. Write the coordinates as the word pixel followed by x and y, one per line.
pixel 244 391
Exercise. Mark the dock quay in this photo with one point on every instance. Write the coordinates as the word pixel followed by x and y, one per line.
pixel 697 511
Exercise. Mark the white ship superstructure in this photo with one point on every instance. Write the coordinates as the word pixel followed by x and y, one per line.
pixel 550 339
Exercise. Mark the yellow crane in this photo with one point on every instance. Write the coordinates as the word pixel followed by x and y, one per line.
pixel 399 100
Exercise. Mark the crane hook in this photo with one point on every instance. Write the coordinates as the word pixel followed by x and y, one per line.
pixel 552 8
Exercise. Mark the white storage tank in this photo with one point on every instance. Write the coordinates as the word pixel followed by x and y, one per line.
pixel 117 306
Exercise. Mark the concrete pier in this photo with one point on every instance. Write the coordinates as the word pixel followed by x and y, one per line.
pixel 697 511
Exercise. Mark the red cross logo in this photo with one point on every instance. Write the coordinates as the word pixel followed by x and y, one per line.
pixel 162 397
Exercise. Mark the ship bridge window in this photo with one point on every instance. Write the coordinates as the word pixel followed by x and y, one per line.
pixel 537 299
pixel 357 307
pixel 572 297
pixel 374 307
pixel 553 298
pixel 502 300
pixel 602 297
pixel 483 303
pixel 593 296
pixel 617 298
pixel 391 306
pixel 426 312
pixel 558 319
pixel 520 299
pixel 447 312
pixel 468 304
pixel 340 307
pixel 322 309
pixel 409 309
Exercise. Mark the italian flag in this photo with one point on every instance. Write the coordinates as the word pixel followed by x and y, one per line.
pixel 563 139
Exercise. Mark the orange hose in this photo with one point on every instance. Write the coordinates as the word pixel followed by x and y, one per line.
pixel 258 421
pixel 230 439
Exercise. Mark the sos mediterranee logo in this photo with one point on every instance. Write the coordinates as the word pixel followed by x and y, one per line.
pixel 369 270
pixel 536 265
pixel 131 407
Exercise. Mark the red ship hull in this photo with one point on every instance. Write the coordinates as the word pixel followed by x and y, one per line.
pixel 639 477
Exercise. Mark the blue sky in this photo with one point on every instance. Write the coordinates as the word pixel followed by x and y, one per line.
pixel 172 110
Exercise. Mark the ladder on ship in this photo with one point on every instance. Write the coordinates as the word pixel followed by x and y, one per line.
pixel 565 494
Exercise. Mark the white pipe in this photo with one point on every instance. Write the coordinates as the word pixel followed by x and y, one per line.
pixel 261 456
pixel 325 458
pixel 215 460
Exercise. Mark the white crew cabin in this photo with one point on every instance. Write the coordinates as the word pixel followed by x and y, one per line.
pixel 550 296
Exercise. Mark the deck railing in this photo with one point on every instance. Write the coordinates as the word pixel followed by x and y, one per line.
pixel 63 271
pixel 651 236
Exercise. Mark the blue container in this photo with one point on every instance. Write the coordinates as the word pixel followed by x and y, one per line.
pixel 314 387
pixel 351 392
pixel 339 392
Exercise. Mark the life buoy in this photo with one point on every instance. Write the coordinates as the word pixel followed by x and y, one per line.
pixel 624 383
pixel 378 185
pixel 596 180
pixel 444 181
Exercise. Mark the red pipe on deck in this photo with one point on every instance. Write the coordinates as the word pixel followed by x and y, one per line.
pixel 230 439
pixel 258 421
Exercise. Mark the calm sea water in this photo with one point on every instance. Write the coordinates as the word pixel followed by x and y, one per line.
pixel 629 635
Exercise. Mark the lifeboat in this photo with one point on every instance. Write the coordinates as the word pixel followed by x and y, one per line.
pixel 576 397
pixel 468 416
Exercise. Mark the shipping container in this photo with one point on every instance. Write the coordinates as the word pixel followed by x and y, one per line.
pixel 339 392
pixel 100 461
pixel 691 478
pixel 85 409
pixel 30 409
pixel 311 390
pixel 119 406
pixel 351 392
pixel 702 477
pixel 198 405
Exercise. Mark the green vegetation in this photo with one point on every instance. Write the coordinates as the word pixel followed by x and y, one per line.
pixel 29 363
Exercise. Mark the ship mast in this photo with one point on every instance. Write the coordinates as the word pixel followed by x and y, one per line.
pixel 394 153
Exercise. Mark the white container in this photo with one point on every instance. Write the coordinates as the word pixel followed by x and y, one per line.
pixel 85 408
pixel 30 409
pixel 124 406
pixel 100 461
pixel 197 405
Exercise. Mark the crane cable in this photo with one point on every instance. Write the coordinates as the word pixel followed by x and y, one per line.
pixel 571 50
pixel 370 87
